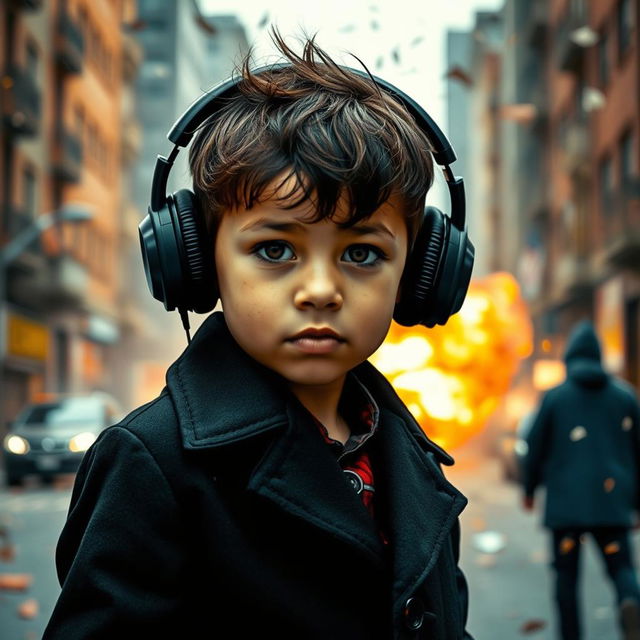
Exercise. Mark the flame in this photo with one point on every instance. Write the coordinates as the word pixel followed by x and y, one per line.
pixel 452 378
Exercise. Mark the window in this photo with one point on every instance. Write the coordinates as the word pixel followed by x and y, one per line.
pixel 606 185
pixel 625 26
pixel 603 58
pixel 32 60
pixel 29 193
pixel 627 168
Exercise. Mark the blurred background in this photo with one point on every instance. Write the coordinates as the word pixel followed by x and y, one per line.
pixel 541 102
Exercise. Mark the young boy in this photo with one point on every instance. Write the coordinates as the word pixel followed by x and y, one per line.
pixel 278 487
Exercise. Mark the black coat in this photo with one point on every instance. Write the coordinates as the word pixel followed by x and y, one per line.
pixel 218 511
pixel 584 445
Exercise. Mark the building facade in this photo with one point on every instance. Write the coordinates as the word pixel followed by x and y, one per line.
pixel 555 158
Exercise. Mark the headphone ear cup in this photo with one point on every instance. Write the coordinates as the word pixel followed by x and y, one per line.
pixel 200 291
pixel 437 274
pixel 177 253
pixel 421 270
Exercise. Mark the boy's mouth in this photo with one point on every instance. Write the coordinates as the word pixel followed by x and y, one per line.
pixel 312 333
pixel 318 341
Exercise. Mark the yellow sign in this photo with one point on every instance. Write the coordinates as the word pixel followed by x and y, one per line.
pixel 26 338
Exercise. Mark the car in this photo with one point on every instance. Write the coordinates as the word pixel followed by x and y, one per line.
pixel 48 438
pixel 512 448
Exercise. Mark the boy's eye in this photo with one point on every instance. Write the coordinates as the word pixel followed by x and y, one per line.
pixel 363 254
pixel 274 251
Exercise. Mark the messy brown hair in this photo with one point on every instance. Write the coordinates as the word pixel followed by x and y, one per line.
pixel 321 130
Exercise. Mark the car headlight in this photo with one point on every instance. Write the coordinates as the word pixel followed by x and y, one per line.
pixel 16 444
pixel 82 441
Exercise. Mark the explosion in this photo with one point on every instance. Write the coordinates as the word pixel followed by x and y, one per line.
pixel 453 377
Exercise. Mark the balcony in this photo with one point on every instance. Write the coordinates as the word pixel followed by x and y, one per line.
pixel 21 101
pixel 69 43
pixel 621 224
pixel 67 156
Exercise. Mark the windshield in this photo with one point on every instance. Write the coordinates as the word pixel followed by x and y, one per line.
pixel 70 411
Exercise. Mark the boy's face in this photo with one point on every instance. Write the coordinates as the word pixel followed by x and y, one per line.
pixel 279 275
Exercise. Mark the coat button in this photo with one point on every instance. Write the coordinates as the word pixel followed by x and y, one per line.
pixel 413 613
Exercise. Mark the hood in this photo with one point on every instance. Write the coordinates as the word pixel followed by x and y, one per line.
pixel 583 356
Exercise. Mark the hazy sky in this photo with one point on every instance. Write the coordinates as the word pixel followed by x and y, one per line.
pixel 402 41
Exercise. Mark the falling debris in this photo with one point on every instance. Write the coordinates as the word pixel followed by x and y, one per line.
pixel 577 434
pixel 489 541
pixel 347 28
pixel 7 549
pixel 609 485
pixel 263 21
pixel 531 626
pixel 611 548
pixel 485 560
pixel 395 54
pixel 458 73
pixel 567 545
pixel 28 609
pixel 379 62
pixel 416 41
pixel 15 581
pixel 374 25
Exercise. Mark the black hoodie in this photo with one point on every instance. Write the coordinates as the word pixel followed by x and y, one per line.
pixel 584 445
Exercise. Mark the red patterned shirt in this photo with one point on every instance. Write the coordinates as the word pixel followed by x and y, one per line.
pixel 361 413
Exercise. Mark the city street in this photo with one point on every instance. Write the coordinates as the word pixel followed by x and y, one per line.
pixel 509 586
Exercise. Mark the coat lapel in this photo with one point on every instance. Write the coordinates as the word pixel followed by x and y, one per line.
pixel 300 475
pixel 422 505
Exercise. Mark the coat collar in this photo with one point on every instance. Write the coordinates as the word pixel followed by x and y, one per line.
pixel 254 398
pixel 222 397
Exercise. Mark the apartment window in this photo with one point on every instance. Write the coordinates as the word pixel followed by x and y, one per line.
pixel 627 168
pixel 32 59
pixel 606 185
pixel 29 192
pixel 625 26
pixel 603 58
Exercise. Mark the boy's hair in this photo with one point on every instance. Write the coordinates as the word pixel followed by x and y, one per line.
pixel 337 134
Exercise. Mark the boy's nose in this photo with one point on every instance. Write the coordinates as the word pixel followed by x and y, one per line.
pixel 318 289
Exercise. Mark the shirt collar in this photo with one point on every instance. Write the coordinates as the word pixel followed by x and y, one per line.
pixel 358 407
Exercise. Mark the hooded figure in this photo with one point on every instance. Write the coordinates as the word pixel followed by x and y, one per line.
pixel 584 448
pixel 584 443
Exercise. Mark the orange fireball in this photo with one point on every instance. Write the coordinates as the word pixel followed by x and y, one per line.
pixel 453 377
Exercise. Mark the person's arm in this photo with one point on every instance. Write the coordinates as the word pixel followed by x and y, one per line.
pixel 120 554
pixel 537 440
pixel 461 582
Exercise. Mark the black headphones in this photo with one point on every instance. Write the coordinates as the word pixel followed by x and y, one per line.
pixel 179 262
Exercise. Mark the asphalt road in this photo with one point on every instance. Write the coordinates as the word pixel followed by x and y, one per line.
pixel 504 556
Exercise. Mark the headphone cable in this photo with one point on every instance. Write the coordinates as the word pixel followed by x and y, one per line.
pixel 184 315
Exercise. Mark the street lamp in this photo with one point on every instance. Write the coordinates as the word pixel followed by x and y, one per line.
pixel 71 212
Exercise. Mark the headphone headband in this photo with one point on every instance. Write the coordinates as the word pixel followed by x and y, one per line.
pixel 206 105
